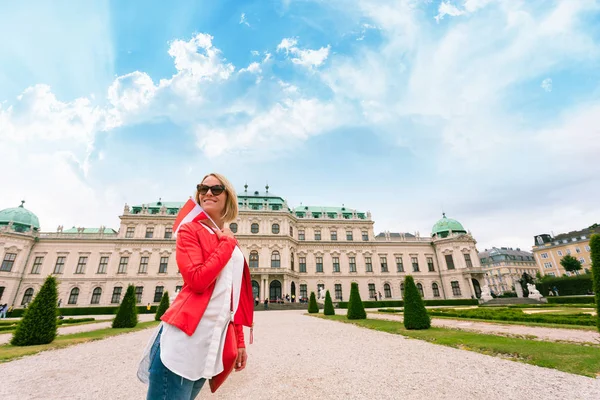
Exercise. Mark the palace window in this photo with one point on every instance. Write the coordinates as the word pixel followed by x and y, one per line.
pixel 60 264
pixel 275 228
pixel 387 291
pixel 149 232
pixel 8 262
pixel 96 295
pixel 544 255
pixel 27 296
pixel 81 265
pixel 254 228
pixel 333 235
pixel 349 235
pixel 74 296
pixel 430 266
pixel 547 265
pixel 300 234
pixel 138 293
pixel 587 248
pixel 415 264
pixel 577 250
pixel 336 264
pixel 455 288
pixel 178 288
pixel 402 290
pixel 302 261
pixel 116 295
pixel 158 293
pixel 123 265
pixel 449 261
pixel 102 265
pixel 365 236
pixel 168 232
pixel 399 264
pixel 568 252
pixel 291 231
pixel 468 261
pixel 352 262
pixel 303 290
pixel 317 234
pixel 164 263
pixel 372 293
pixel 129 232
pixel 143 265
pixel 338 291
pixel 559 252
pixel 275 259
pixel 435 289
pixel 319 261
pixel 368 264
pixel 582 261
pixel 420 289
pixel 292 261
pixel 233 227
pixel 37 265
pixel 383 261
pixel 253 259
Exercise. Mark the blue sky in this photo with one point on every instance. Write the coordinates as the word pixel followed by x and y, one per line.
pixel 487 109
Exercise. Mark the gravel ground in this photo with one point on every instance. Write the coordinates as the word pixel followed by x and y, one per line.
pixel 296 356
pixel 541 333
pixel 65 330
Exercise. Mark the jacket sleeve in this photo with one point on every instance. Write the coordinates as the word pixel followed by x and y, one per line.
pixel 197 272
pixel 239 334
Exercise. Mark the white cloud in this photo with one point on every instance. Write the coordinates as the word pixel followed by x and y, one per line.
pixel 287 44
pixel 199 59
pixel 255 53
pixel 447 8
pixel 547 85
pixel 130 92
pixel 253 68
pixel 243 20
pixel 307 58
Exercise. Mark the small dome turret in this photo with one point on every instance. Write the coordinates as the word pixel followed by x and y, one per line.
pixel 445 225
pixel 21 219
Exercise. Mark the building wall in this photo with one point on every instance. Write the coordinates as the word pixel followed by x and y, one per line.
pixel 548 256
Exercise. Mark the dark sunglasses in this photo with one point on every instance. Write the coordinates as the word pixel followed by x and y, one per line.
pixel 215 190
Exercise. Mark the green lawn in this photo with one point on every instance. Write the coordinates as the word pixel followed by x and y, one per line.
pixel 572 358
pixel 9 352
pixel 13 326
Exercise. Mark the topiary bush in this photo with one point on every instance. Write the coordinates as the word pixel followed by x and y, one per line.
pixel 39 322
pixel 328 310
pixel 415 314
pixel 356 310
pixel 595 249
pixel 163 306
pixel 313 307
pixel 127 312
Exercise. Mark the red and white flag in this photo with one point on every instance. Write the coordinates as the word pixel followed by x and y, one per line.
pixel 190 212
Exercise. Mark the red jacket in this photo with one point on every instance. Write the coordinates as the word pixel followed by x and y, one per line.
pixel 200 257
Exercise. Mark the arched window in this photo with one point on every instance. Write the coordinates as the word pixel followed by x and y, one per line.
pixel 275 259
pixel 402 290
pixel 292 262
pixel 254 228
pixel 73 296
pixel 27 296
pixel 254 259
pixel 233 226
pixel 96 295
pixel 291 231
pixel 275 228
pixel 387 291
pixel 435 289
pixel 420 289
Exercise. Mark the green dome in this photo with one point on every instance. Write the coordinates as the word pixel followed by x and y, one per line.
pixel 23 220
pixel 445 225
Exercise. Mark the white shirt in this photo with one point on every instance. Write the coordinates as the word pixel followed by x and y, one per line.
pixel 201 354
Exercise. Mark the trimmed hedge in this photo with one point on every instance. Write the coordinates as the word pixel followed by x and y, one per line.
pixel 356 309
pixel 75 311
pixel 12 325
pixel 570 299
pixel 595 249
pixel 163 306
pixel 506 314
pixel 127 313
pixel 328 309
pixel 313 308
pixel 567 286
pixel 415 314
pixel 400 303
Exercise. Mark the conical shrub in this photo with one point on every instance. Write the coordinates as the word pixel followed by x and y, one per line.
pixel 595 249
pixel 39 322
pixel 415 314
pixel 162 307
pixel 313 308
pixel 328 309
pixel 127 312
pixel 356 310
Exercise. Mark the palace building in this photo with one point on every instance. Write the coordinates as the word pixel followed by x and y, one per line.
pixel 291 251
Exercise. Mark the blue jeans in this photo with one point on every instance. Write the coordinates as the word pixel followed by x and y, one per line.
pixel 167 385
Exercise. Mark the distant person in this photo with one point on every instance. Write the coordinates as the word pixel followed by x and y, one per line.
pixel 148 307
pixel 555 290
pixel 59 302
pixel 3 310
pixel 379 296
pixel 256 301
pixel 266 303
pixel 293 298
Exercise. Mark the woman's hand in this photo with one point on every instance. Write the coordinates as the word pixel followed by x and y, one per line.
pixel 240 363
pixel 224 232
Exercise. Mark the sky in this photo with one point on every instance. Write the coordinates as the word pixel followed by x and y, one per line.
pixel 488 110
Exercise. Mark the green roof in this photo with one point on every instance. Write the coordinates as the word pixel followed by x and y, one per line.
pixel 445 225
pixel 330 212
pixel 91 230
pixel 22 219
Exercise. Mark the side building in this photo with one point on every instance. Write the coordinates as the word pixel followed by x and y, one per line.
pixel 504 267
pixel 289 251
pixel 549 250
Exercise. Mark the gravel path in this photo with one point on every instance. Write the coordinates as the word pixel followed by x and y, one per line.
pixel 297 356
pixel 540 333
pixel 65 330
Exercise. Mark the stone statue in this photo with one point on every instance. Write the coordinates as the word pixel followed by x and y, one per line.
pixel 126 209
pixel 321 295
pixel 486 295
pixel 533 292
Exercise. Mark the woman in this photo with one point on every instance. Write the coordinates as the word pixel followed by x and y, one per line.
pixel 187 348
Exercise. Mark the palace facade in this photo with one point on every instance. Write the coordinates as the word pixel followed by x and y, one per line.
pixel 505 266
pixel 291 251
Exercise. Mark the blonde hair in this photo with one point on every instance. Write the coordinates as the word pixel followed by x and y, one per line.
pixel 230 212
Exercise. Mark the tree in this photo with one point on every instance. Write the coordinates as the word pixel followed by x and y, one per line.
pixel 127 312
pixel 415 314
pixel 39 322
pixel 313 308
pixel 356 309
pixel 163 306
pixel 595 249
pixel 570 263
pixel 328 310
